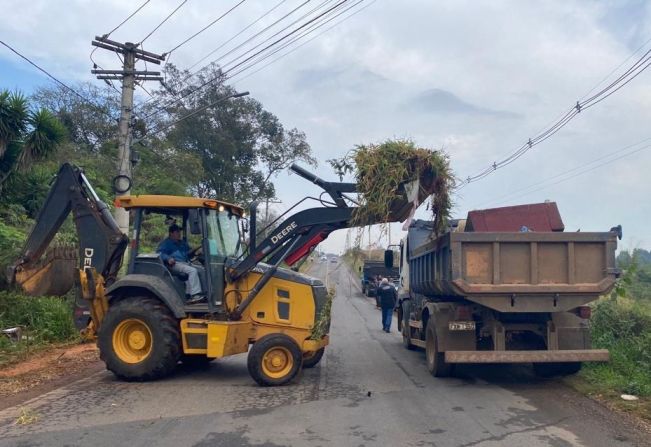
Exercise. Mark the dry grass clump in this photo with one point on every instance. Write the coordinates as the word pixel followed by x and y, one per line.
pixel 383 170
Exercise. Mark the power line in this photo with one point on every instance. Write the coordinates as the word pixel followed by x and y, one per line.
pixel 584 171
pixel 209 81
pixel 204 28
pixel 164 20
pixel 610 155
pixel 127 19
pixel 320 25
pixel 268 39
pixel 160 109
pixel 637 50
pixel 56 80
pixel 95 64
pixel 631 73
pixel 304 43
pixel 236 35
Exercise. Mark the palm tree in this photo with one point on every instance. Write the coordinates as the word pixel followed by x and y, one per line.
pixel 25 135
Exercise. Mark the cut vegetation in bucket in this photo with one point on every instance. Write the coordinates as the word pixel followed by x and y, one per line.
pixel 394 177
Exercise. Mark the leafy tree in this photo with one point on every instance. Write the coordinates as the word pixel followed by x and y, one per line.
pixel 26 136
pixel 90 126
pixel 241 146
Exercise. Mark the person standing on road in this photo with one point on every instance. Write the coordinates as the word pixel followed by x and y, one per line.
pixel 376 283
pixel 387 296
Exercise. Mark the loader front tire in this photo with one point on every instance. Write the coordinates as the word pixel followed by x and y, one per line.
pixel 274 360
pixel 139 339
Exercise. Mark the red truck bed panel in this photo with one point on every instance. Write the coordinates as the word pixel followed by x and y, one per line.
pixel 538 217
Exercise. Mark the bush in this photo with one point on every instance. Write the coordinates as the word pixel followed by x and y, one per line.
pixel 624 328
pixel 11 242
pixel 43 320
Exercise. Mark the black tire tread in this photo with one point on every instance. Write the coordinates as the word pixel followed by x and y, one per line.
pixel 258 350
pixel 164 356
pixel 441 368
pixel 311 362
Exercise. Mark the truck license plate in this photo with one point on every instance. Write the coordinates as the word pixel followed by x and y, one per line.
pixel 462 326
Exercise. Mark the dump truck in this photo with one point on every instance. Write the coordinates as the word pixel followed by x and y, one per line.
pixel 370 270
pixel 141 319
pixel 505 285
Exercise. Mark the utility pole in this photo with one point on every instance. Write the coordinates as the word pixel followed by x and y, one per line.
pixel 266 211
pixel 122 182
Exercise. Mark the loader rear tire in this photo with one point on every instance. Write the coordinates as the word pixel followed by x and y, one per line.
pixel 274 360
pixel 139 339
pixel 436 363
pixel 313 359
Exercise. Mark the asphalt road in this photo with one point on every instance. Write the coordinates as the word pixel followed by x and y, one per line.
pixel 368 390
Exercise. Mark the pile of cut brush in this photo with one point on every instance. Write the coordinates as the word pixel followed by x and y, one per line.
pixel 387 176
pixel 322 325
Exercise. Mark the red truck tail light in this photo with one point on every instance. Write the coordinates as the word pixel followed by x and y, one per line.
pixel 585 312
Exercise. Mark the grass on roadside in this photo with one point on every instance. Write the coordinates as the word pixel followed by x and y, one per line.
pixel 44 321
pixel 623 326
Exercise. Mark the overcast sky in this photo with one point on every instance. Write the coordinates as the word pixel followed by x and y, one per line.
pixel 477 79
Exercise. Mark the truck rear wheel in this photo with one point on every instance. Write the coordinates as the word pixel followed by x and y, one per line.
pixel 274 360
pixel 403 318
pixel 435 359
pixel 139 339
pixel 556 369
pixel 313 358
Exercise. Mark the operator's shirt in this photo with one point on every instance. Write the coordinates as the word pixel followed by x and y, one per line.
pixel 169 248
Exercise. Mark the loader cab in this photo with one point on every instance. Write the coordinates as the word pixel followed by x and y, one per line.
pixel 212 229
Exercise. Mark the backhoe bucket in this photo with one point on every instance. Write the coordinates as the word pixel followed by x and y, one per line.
pixel 53 275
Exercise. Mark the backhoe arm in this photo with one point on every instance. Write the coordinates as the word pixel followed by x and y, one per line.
pixel 101 243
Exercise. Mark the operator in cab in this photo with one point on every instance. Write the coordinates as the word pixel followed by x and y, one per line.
pixel 175 253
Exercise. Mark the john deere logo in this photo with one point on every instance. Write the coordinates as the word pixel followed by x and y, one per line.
pixel 88 258
pixel 281 234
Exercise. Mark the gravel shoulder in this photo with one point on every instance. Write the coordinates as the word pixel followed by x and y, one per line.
pixel 46 370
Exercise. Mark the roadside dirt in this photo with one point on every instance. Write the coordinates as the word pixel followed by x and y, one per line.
pixel 45 371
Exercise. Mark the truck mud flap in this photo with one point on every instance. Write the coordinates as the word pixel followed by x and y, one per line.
pixel 575 355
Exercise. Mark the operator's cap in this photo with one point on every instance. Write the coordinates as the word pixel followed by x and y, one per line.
pixel 174 227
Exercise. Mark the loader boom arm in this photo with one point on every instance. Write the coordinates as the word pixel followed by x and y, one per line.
pixel 101 243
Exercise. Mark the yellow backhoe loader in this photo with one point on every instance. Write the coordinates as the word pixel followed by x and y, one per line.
pixel 143 324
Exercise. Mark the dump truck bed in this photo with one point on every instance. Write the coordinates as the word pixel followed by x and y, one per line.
pixel 515 272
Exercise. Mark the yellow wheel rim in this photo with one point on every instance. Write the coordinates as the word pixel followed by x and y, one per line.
pixel 277 362
pixel 132 341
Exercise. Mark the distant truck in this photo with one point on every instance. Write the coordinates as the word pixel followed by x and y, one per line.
pixel 370 270
pixel 506 285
